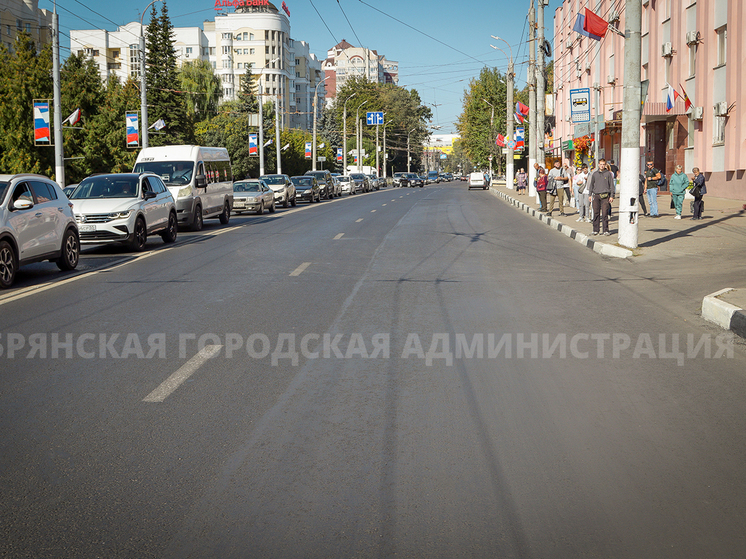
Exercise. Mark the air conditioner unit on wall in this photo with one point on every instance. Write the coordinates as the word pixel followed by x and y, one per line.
pixel 698 113
pixel 568 44
pixel 692 37
pixel 666 49
pixel 613 16
pixel 721 108
pixel 610 79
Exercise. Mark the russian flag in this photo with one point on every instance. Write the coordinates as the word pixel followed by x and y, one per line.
pixel 41 122
pixel 308 150
pixel 671 98
pixel 339 154
pixel 253 144
pixel 133 135
pixel 519 142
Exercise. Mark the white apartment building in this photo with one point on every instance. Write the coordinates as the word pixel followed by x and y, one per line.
pixel 251 37
pixel 344 61
pixel 24 15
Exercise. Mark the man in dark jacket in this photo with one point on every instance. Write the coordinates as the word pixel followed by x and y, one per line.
pixel 601 189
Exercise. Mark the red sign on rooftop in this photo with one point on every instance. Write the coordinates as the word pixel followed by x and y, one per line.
pixel 219 4
pixel 285 7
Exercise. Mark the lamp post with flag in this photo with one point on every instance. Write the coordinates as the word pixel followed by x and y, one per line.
pixel 143 82
pixel 509 116
pixel 492 132
pixel 344 134
pixel 315 99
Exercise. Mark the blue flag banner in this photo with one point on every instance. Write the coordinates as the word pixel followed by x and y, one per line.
pixel 133 129
pixel 41 123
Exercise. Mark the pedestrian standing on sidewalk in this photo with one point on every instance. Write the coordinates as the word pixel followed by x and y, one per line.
pixel 522 178
pixel 678 183
pixel 541 189
pixel 581 198
pixel 569 173
pixel 601 189
pixel 652 176
pixel 556 182
pixel 641 195
pixel 698 190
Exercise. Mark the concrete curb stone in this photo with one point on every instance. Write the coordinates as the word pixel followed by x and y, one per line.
pixel 596 246
pixel 724 314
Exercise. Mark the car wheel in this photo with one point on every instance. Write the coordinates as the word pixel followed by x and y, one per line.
pixel 486 187
pixel 7 264
pixel 286 203
pixel 293 202
pixel 260 211
pixel 225 217
pixel 198 219
pixel 169 235
pixel 272 207
pixel 139 236
pixel 70 251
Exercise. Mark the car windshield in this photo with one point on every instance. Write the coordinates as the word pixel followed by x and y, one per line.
pixel 3 188
pixel 107 187
pixel 173 173
pixel 344 179
pixel 277 179
pixel 358 177
pixel 412 176
pixel 302 181
pixel 246 186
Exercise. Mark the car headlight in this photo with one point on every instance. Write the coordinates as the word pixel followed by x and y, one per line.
pixel 120 215
pixel 184 192
pixel 250 200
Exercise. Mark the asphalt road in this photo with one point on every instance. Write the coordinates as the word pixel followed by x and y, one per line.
pixel 410 372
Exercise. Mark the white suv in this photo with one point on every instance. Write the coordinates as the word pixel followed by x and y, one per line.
pixel 36 223
pixel 124 208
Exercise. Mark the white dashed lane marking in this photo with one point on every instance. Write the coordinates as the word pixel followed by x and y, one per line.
pixel 299 270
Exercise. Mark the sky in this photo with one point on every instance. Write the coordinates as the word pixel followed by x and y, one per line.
pixel 440 45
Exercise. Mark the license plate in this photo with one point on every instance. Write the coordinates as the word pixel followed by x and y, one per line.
pixel 86 228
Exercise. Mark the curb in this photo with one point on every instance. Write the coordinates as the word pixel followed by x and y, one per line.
pixel 725 315
pixel 596 246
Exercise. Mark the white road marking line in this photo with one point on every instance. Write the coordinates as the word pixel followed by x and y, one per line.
pixel 372 211
pixel 299 270
pixel 183 373
pixel 216 233
pixel 338 236
pixel 358 220
pixel 384 204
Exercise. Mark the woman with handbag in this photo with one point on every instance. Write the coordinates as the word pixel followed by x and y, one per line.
pixel 581 195
pixel 541 189
pixel 698 191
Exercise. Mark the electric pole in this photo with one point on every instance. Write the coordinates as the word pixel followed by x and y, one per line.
pixel 630 156
pixel 59 153
pixel 540 86
pixel 261 130
pixel 531 101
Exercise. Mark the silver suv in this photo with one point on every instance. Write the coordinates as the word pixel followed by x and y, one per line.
pixel 283 188
pixel 36 223
pixel 124 208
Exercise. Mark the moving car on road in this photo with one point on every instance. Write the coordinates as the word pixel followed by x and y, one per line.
pixel 36 223
pixel 283 188
pixel 327 185
pixel 253 195
pixel 361 181
pixel 307 188
pixel 476 180
pixel 124 208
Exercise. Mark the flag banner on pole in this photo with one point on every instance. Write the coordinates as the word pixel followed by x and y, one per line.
pixel 500 140
pixel 322 146
pixel 286 146
pixel 253 145
pixel 308 150
pixel 520 108
pixel 579 27
pixel 41 123
pixel 519 143
pixel 687 102
pixel 133 129
pixel 671 98
pixel 596 26
pixel 339 154
pixel 73 119
pixel 267 143
pixel 158 125
pixel 519 118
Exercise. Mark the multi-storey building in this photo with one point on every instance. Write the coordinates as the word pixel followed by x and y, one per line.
pixel 344 61
pixel 684 44
pixel 24 15
pixel 252 38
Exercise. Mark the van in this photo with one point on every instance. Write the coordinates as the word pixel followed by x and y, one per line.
pixel 432 177
pixel 199 178
pixel 476 180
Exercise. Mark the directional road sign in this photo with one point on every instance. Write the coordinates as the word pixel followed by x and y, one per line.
pixel 375 119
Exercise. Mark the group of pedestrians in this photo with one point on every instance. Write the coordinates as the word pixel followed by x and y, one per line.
pixel 594 190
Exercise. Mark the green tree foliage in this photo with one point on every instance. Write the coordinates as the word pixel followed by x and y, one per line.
pixel 165 100
pixel 202 89
pixel 25 75
pixel 82 89
pixel 477 135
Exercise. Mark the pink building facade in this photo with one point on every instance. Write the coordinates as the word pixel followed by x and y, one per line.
pixel 684 44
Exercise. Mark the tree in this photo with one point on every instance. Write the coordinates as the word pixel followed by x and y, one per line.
pixel 24 76
pixel 202 89
pixel 165 102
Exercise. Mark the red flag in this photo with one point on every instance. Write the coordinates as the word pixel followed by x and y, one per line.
pixel 594 24
pixel 500 140
pixel 687 102
pixel 521 108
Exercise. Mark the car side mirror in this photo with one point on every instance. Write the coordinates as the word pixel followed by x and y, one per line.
pixel 200 181
pixel 149 195
pixel 23 204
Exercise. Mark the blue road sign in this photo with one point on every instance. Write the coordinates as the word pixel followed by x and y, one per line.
pixel 374 119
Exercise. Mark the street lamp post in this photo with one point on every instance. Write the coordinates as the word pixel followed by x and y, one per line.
pixel 344 133
pixel 385 155
pixel 359 135
pixel 409 158
pixel 261 129
pixel 377 167
pixel 492 133
pixel 315 99
pixel 143 82
pixel 509 173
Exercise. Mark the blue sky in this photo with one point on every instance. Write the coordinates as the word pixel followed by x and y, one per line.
pixel 440 45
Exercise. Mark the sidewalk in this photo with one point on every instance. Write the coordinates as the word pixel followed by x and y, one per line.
pixel 722 227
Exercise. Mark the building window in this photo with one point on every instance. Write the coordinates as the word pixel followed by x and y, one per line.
pixel 214 65
pixel 134 58
pixel 212 51
pixel 115 54
pixel 227 36
pixel 266 35
pixel 189 50
pixel 718 130
pixel 266 50
pixel 690 135
pixel 722 45
pixel 692 60
pixel 252 51
pixel 245 35
pixel 251 36
pixel 227 64
pixel 19 26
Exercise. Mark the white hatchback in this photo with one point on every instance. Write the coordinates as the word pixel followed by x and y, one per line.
pixel 476 180
pixel 36 223
pixel 124 208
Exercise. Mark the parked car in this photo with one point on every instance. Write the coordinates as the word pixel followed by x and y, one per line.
pixel 476 180
pixel 397 179
pixel 326 184
pixel 36 223
pixel 283 188
pixel 361 181
pixel 200 179
pixel 347 184
pixel 374 183
pixel 414 180
pixel 124 208
pixel 69 189
pixel 307 188
pixel 253 195
pixel 432 177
